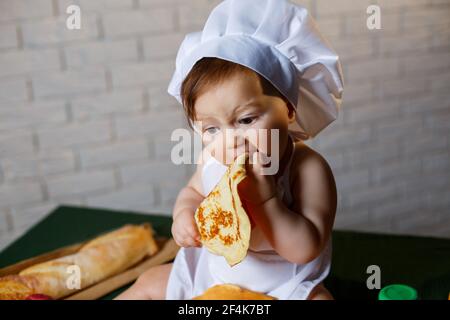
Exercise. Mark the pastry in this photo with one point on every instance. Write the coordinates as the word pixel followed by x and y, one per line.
pixel 231 292
pixel 100 258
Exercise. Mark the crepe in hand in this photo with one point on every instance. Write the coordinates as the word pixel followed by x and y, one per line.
pixel 222 221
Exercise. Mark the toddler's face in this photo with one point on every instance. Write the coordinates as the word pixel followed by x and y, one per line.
pixel 229 114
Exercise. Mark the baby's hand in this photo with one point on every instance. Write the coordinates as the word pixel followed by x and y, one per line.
pixel 184 229
pixel 256 188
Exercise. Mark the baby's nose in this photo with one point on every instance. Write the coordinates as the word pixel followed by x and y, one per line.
pixel 235 145
pixel 234 140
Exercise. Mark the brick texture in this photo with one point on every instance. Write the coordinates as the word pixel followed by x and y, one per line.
pixel 85 117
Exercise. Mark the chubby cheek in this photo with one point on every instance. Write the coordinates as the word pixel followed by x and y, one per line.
pixel 270 133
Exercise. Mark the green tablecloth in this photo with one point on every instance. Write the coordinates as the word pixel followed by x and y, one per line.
pixel 423 263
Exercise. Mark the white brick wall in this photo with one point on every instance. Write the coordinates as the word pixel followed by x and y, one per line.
pixel 8 37
pixel 37 115
pixel 74 134
pixel 53 31
pixel 105 53
pixel 16 143
pixel 39 164
pixel 121 102
pixel 68 83
pixel 13 90
pixel 82 183
pixel 85 118
pixel 20 193
pixel 97 6
pixel 116 153
pixel 25 9
pixel 23 62
pixel 139 22
pixel 147 73
pixel 137 197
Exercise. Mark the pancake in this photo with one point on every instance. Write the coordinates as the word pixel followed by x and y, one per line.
pixel 222 221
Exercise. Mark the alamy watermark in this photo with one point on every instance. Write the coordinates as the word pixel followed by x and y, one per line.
pixel 73 21
pixel 262 145
pixel 374 280
pixel 73 281
pixel 373 21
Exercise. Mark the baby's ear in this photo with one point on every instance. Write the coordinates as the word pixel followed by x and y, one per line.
pixel 291 111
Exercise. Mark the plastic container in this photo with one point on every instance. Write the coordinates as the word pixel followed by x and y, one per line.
pixel 397 292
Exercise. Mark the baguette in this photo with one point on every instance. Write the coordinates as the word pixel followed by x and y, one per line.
pixel 100 258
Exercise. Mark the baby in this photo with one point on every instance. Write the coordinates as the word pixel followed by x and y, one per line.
pixel 241 74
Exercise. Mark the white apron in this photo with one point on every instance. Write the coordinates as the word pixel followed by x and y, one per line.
pixel 196 269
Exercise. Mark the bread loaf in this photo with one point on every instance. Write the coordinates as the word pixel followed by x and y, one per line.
pixel 100 258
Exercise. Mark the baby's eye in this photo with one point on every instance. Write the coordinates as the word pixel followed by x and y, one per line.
pixel 247 120
pixel 211 130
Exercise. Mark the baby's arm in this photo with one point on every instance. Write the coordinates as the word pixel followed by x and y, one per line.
pixel 315 197
pixel 184 228
pixel 299 235
pixel 189 197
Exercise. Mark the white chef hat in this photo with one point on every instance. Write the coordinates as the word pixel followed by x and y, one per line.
pixel 280 41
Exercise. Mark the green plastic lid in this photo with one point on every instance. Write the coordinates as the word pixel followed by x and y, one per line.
pixel 397 292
